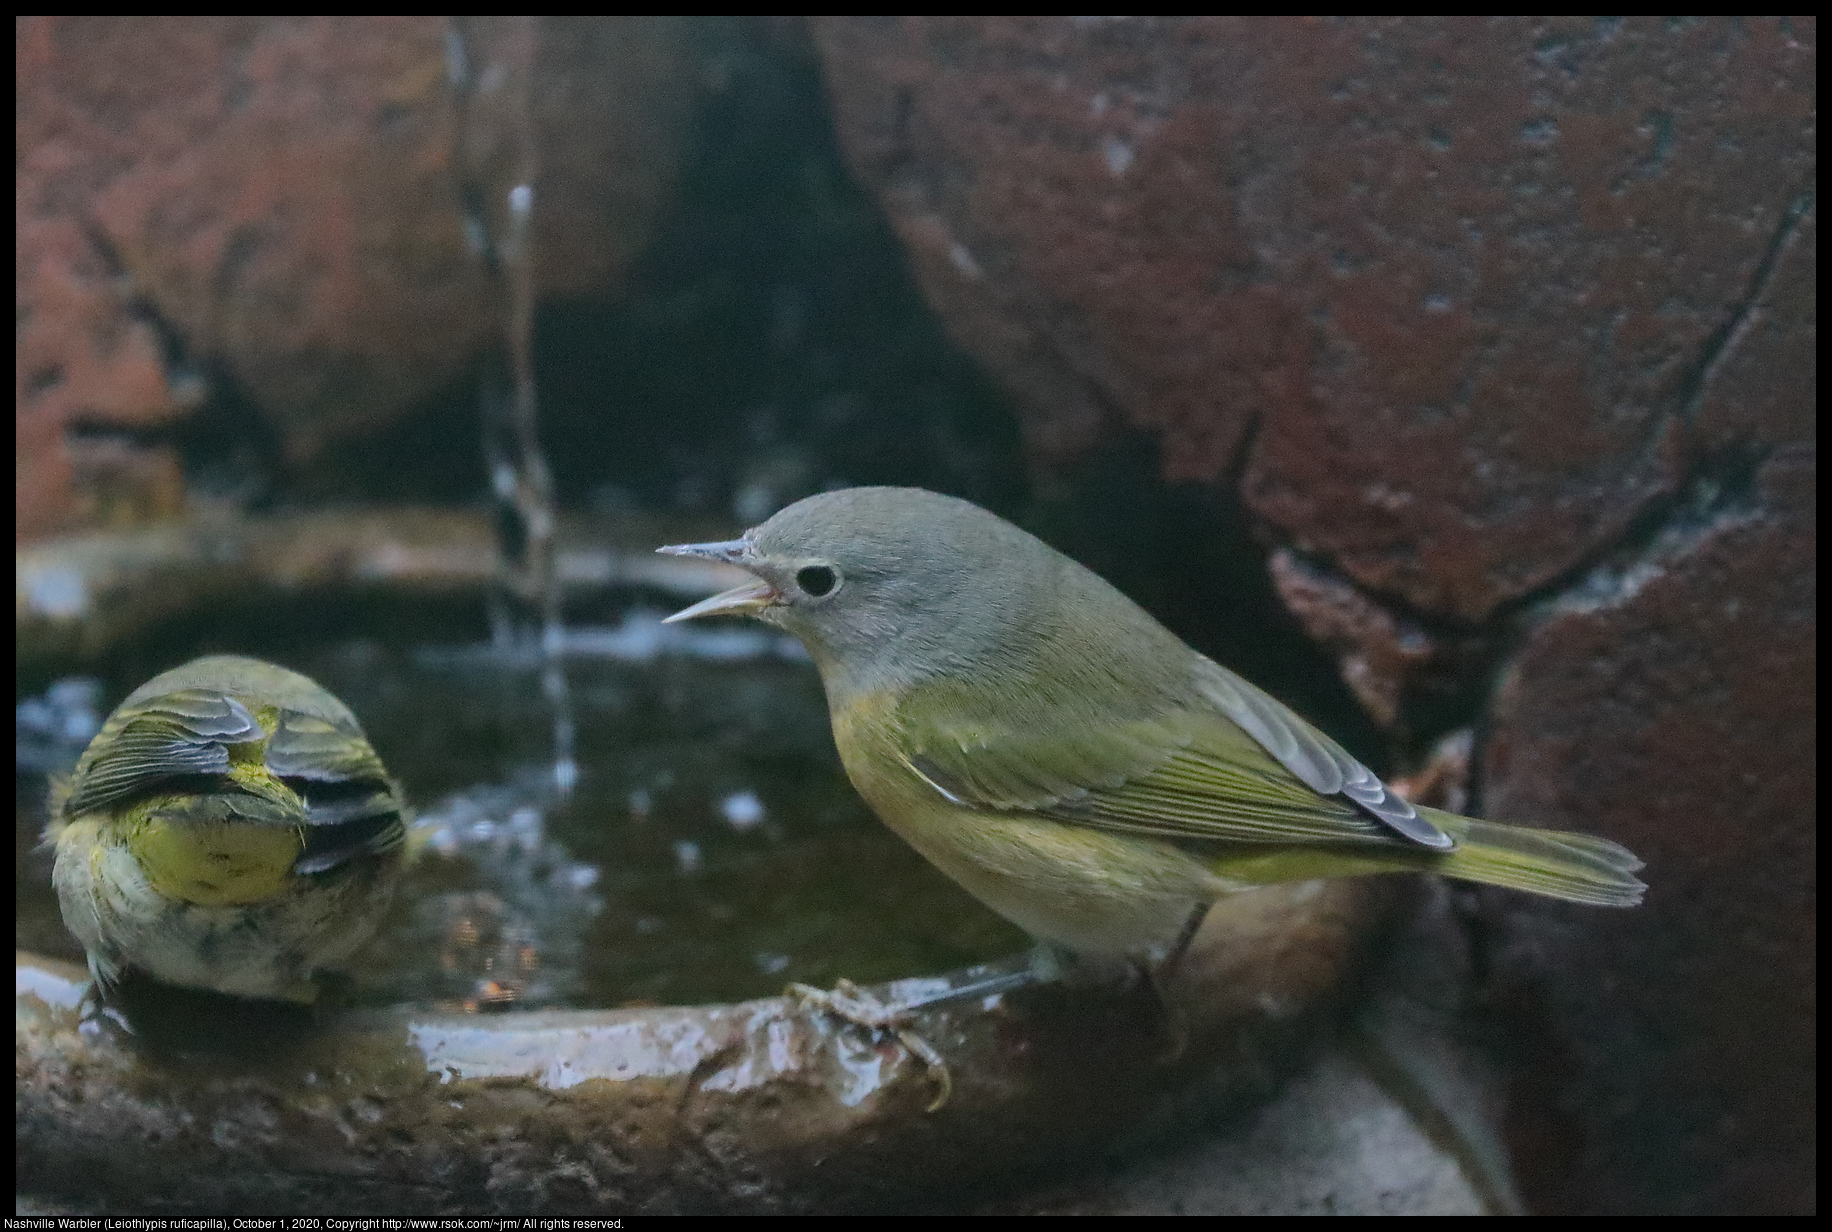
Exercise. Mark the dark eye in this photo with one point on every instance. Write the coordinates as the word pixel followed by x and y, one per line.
pixel 817 580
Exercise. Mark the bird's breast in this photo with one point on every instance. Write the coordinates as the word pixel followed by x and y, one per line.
pixel 866 734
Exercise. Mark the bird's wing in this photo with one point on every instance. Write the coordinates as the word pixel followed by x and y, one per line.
pixel 1319 762
pixel 307 746
pixel 189 731
pixel 176 734
pixel 352 807
pixel 1225 762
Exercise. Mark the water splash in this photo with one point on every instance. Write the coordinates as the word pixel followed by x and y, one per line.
pixel 52 730
pixel 516 941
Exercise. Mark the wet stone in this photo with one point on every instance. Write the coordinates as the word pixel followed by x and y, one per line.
pixel 755 1106
pixel 1446 294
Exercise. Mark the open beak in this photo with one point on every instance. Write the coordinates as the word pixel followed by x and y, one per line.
pixel 742 600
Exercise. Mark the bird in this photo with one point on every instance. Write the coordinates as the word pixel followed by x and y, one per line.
pixel 1064 757
pixel 230 828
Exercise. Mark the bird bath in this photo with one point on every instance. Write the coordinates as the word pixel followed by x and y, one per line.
pixel 574 1002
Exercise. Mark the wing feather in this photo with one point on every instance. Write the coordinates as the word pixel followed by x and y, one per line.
pixel 187 731
pixel 307 746
pixel 1224 762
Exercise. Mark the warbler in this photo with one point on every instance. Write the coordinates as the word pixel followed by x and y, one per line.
pixel 229 828
pixel 1068 760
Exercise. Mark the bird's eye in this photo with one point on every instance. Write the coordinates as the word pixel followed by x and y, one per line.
pixel 817 580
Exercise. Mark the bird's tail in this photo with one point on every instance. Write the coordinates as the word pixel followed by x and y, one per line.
pixel 1580 868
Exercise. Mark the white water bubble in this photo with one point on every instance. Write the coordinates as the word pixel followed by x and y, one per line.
pixel 742 810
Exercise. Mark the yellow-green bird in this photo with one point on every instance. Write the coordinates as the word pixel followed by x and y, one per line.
pixel 1069 761
pixel 229 828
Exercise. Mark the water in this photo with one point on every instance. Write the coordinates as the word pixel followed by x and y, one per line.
pixel 498 140
pixel 711 849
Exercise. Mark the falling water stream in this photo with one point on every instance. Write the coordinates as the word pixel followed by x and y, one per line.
pixel 499 143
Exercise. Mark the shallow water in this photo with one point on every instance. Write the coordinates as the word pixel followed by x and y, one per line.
pixel 712 848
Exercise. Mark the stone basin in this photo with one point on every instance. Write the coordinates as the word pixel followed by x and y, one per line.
pixel 180 1102
pixel 755 1106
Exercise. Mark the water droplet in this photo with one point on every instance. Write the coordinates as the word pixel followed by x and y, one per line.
pixel 1118 155
pixel 58 590
pixel 742 810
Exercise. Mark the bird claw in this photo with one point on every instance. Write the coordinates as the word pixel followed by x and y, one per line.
pixel 97 1014
pixel 853 1004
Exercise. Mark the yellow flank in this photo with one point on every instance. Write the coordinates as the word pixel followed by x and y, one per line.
pixel 1073 885
pixel 211 864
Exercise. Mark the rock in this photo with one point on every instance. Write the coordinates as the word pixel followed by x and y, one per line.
pixel 1332 1143
pixel 1379 652
pixel 758 1106
pixel 1448 294
pixel 1671 705
pixel 298 205
pixel 1395 1112
pixel 1505 331
pixel 78 596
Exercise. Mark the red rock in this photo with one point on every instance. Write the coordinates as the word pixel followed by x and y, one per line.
pixel 1465 307
pixel 284 200
pixel 1459 281
pixel 1671 705
pixel 1379 652
pixel 83 360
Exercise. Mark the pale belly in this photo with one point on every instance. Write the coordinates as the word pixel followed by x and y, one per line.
pixel 268 949
pixel 1096 893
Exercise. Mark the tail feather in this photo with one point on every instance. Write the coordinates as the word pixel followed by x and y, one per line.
pixel 1580 868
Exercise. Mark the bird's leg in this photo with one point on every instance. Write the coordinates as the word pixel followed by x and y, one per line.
pixel 864 1008
pixel 96 1011
pixel 1161 975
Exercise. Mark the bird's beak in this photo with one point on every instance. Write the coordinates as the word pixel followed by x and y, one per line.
pixel 742 600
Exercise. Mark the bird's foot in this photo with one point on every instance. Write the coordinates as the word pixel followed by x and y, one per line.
pixel 93 1003
pixel 850 1003
pixel 96 1012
